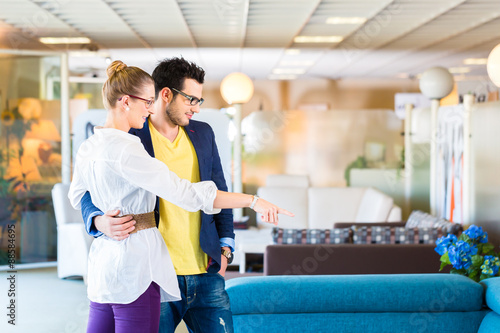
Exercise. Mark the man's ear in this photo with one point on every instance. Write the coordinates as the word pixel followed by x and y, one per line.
pixel 166 95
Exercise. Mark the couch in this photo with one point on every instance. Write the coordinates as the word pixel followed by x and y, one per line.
pixel 359 248
pixel 326 259
pixel 314 208
pixel 408 303
pixel 73 242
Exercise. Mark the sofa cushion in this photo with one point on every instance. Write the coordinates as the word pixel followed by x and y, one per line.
pixel 395 215
pixel 419 219
pixel 390 322
pixel 354 293
pixel 293 199
pixel 287 181
pixel 375 206
pixel 311 236
pixel 490 323
pixel 395 235
pixel 333 204
pixel 492 294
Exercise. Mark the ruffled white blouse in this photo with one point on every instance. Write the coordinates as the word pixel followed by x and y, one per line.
pixel 119 174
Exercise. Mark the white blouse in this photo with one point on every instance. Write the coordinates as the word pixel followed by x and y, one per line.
pixel 119 174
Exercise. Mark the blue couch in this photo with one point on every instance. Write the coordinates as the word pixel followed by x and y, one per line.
pixel 365 303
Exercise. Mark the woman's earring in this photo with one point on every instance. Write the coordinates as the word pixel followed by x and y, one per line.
pixel 127 108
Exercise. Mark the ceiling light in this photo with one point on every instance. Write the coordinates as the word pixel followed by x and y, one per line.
pixel 282 77
pixel 345 20
pixel 64 40
pixel 403 75
pixel 292 51
pixel 475 61
pixel 318 39
pixel 459 70
pixel 296 63
pixel 88 54
pixel 296 71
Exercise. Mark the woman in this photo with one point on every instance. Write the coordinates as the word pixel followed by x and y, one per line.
pixel 125 277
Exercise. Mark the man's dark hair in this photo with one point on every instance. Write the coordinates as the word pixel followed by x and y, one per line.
pixel 172 73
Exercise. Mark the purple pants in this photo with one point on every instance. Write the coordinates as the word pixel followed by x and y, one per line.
pixel 140 316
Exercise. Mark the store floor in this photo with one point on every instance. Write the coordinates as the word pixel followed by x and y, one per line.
pixel 47 304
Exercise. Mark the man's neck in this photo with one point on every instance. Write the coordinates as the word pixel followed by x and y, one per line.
pixel 164 126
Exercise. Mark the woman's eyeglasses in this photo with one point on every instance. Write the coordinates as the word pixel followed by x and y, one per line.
pixel 148 102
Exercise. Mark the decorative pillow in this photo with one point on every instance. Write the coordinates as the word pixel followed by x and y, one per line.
pixel 310 236
pixel 286 236
pixel 419 219
pixel 340 236
pixel 395 235
pixel 372 235
pixel 315 236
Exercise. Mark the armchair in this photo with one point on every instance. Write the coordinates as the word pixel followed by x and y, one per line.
pixel 73 242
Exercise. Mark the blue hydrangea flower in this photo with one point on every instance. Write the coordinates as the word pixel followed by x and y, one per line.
pixel 443 243
pixel 490 265
pixel 477 234
pixel 461 254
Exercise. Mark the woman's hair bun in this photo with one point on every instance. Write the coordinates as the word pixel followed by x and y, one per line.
pixel 115 67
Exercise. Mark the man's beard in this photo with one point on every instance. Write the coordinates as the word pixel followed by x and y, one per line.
pixel 175 117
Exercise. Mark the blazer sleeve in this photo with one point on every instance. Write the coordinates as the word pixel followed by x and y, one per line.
pixel 223 220
pixel 88 212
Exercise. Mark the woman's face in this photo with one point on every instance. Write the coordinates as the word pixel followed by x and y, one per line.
pixel 141 106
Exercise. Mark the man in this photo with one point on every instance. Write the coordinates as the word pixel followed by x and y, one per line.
pixel 200 245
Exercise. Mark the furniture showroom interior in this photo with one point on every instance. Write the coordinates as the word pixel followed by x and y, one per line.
pixel 375 122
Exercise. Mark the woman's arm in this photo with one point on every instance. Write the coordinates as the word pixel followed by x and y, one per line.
pixel 153 175
pixel 269 212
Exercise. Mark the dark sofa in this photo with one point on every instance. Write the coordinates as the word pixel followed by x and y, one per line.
pixel 333 259
pixel 365 248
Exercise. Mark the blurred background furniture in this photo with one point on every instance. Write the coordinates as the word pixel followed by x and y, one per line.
pixel 339 259
pixel 73 242
pixel 360 248
pixel 314 208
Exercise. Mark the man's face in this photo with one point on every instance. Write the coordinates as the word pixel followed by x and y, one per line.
pixel 179 111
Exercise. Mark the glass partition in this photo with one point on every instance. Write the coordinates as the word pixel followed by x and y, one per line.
pixel 30 155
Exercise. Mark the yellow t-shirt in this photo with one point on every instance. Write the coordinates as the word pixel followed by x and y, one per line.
pixel 180 229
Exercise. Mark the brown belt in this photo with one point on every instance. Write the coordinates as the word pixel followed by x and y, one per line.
pixel 144 221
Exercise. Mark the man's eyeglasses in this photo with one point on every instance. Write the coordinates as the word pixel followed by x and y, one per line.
pixel 148 102
pixel 192 100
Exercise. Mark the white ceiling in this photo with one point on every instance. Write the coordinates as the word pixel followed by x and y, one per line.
pixel 400 38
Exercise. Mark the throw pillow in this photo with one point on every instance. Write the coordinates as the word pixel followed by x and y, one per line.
pixel 419 219
pixel 311 236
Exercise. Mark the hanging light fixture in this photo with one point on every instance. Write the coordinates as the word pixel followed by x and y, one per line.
pixel 493 65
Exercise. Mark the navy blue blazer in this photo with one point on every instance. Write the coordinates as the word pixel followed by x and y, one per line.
pixel 213 227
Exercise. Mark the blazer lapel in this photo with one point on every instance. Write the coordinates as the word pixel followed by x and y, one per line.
pixel 197 144
pixel 145 136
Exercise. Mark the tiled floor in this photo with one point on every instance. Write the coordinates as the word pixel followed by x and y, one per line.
pixel 47 304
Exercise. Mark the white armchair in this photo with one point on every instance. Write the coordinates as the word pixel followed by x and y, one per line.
pixel 73 242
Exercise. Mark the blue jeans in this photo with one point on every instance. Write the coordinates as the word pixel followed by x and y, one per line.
pixel 204 306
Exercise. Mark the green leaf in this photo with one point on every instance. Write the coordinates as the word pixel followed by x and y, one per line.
pixel 477 260
pixel 474 274
pixel 488 248
pixel 445 259
pixel 443 265
pixel 463 237
pixel 458 271
pixel 483 276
